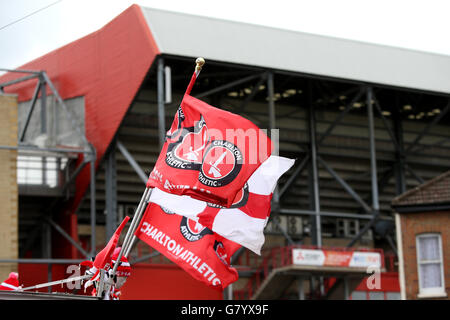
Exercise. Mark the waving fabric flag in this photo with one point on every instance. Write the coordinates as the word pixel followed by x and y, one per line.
pixel 244 221
pixel 202 253
pixel 104 256
pixel 209 153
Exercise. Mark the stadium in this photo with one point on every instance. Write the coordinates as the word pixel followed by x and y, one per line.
pixel 363 214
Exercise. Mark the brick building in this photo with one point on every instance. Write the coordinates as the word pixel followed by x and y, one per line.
pixel 8 184
pixel 423 235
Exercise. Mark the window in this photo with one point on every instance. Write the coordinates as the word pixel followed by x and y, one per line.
pixel 429 265
pixel 39 170
pixel 349 228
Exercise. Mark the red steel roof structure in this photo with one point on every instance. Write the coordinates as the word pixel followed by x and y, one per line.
pixel 107 68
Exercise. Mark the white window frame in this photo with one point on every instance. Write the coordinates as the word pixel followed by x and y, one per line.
pixel 437 291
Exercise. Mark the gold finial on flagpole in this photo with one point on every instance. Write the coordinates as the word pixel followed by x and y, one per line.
pixel 199 64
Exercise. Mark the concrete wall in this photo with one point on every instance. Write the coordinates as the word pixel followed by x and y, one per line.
pixel 8 185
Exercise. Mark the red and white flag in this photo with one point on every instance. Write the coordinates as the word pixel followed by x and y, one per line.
pixel 104 256
pixel 209 153
pixel 244 221
pixel 202 253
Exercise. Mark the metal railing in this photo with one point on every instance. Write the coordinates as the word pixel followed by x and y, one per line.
pixel 278 257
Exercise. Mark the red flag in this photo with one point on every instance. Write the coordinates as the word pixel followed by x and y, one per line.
pixel 209 153
pixel 104 256
pixel 245 220
pixel 202 253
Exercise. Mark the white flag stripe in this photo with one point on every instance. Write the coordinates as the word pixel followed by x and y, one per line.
pixel 233 224
pixel 7 285
pixel 183 205
pixel 264 180
pixel 249 234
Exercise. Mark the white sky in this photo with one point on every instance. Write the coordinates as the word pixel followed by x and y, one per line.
pixel 415 24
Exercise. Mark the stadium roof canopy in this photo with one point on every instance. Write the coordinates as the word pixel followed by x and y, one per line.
pixel 241 43
pixel 108 66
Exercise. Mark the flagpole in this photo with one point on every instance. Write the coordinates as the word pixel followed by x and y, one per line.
pixel 104 285
pixel 101 284
pixel 130 242
pixel 129 237
pixel 134 223
pixel 199 62
pixel 53 283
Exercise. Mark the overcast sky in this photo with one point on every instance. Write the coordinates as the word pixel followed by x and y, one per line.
pixel 31 28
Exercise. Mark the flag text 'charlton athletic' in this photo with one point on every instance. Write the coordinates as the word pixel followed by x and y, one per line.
pixel 202 253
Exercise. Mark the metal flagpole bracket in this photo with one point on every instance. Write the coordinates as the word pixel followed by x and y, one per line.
pixel 101 283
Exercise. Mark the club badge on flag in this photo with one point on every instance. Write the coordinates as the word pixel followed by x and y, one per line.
pixel 244 221
pixel 202 253
pixel 209 153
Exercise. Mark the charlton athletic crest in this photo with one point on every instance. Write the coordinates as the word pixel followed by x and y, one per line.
pixel 221 163
pixel 192 230
pixel 221 253
pixel 192 148
pixel 187 145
